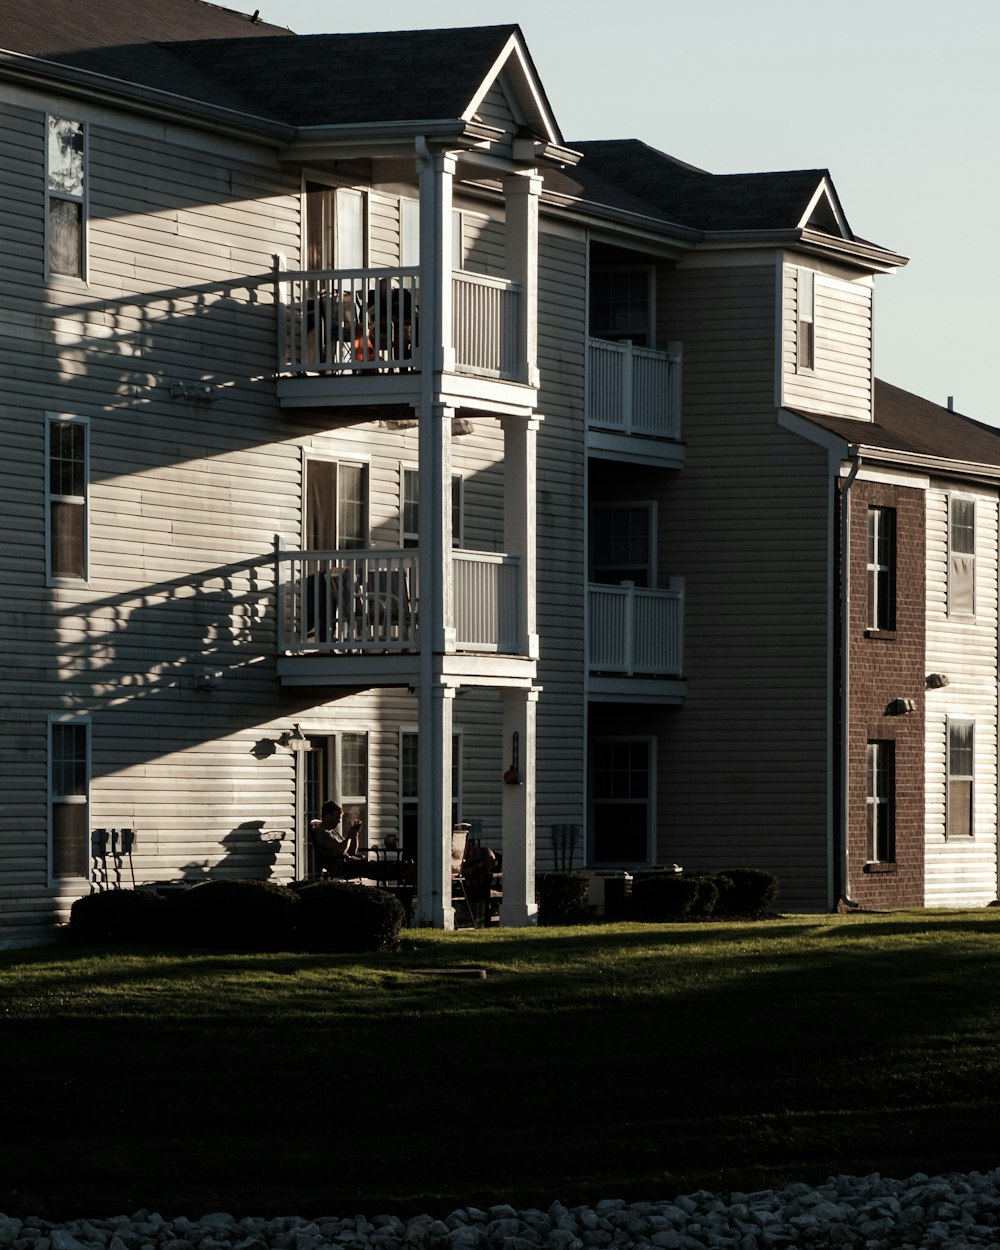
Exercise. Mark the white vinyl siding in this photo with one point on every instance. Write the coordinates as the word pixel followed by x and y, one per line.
pixel 961 871
pixel 826 319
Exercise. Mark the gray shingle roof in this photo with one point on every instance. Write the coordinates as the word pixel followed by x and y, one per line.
pixel 907 423
pixel 688 196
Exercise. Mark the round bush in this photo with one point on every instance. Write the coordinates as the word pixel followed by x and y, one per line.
pixel 339 916
pixel 747 892
pixel 120 916
pixel 238 915
pixel 562 898
pixel 659 896
pixel 704 904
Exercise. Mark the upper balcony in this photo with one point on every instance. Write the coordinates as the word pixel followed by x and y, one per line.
pixel 634 402
pixel 636 642
pixel 354 338
pixel 353 617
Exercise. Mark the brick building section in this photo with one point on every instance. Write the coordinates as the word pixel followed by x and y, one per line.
pixel 886 666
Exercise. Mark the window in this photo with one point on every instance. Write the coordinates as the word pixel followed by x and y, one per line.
pixel 409 232
pixel 621 800
pixel 961 557
pixel 409 788
pixel 881 798
pixel 337 768
pixel 69 785
pixel 881 568
pixel 961 755
pixel 620 305
pixel 805 338
pixel 409 508
pixel 336 506
pixel 621 544
pixel 336 227
pixel 66 498
pixel 66 199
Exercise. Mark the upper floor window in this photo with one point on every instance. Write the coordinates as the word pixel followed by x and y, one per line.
pixel 410 508
pixel 69 787
pixel 961 762
pixel 620 305
pixel 335 227
pixel 66 497
pixel 805 337
pixel 621 544
pixel 66 197
pixel 881 801
pixel 961 556
pixel 336 506
pixel 881 568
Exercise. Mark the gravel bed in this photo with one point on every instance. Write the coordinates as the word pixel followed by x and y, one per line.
pixel 867 1213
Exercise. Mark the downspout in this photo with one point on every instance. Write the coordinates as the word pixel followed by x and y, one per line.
pixel 845 676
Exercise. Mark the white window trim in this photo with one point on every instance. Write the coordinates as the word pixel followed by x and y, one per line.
pixel 805 314
pixel 651 741
pixel 83 501
pixel 650 273
pixel 875 605
pixel 321 179
pixel 619 506
pixel 953 613
pixel 52 798
pixel 875 802
pixel 83 277
pixel 402 799
pixel 355 461
pixel 457 519
pixel 949 777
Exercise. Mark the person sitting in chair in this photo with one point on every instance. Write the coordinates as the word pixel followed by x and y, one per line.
pixel 336 852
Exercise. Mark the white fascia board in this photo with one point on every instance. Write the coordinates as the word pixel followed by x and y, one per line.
pixel 825 190
pixel 513 48
pixel 816 434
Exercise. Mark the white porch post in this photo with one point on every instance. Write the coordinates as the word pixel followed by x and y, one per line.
pixel 521 194
pixel 434 907
pixel 436 176
pixel 520 436
pixel 518 907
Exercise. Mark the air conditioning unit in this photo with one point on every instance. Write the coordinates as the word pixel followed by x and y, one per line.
pixel 608 891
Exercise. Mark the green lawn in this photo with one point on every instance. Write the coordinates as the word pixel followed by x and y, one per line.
pixel 624 1060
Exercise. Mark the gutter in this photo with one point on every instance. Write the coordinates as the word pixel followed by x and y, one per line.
pixel 845 675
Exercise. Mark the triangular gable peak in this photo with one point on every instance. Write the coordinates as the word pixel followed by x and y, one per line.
pixel 511 98
pixel 824 212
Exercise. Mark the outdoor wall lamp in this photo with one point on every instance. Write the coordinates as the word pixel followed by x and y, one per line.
pixel 935 681
pixel 293 739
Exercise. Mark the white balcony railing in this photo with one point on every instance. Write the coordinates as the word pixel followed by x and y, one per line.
pixel 367 321
pixel 348 321
pixel 487 602
pixel 636 631
pixel 634 390
pixel 366 602
pixel 486 320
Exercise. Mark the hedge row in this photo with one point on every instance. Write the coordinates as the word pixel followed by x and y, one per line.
pixel 245 916
pixel 740 893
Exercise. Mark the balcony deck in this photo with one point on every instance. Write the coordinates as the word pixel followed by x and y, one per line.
pixel 633 402
pixel 353 337
pixel 358 612
pixel 636 642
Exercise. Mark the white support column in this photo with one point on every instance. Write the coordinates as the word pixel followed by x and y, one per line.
pixel 434 907
pixel 520 436
pixel 436 176
pixel 518 908
pixel 521 194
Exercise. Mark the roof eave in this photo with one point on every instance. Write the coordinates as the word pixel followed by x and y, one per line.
pixel 88 85
pixel 866 256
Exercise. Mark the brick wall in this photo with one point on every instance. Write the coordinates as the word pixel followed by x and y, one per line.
pixel 886 666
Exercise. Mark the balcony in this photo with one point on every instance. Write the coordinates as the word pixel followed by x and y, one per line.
pixel 636 641
pixel 633 402
pixel 353 336
pixel 361 610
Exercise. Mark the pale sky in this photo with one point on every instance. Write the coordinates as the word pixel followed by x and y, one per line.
pixel 899 99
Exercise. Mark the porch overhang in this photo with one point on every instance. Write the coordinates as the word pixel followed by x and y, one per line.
pixel 637 690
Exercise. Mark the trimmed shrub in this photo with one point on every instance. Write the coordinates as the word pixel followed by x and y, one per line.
pixel 562 898
pixel 704 904
pixel 237 915
pixel 120 916
pixel 339 916
pixel 746 892
pixel 660 896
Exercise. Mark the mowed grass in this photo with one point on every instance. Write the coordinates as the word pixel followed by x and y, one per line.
pixel 636 1061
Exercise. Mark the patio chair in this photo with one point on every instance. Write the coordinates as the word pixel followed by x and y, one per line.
pixel 459 890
